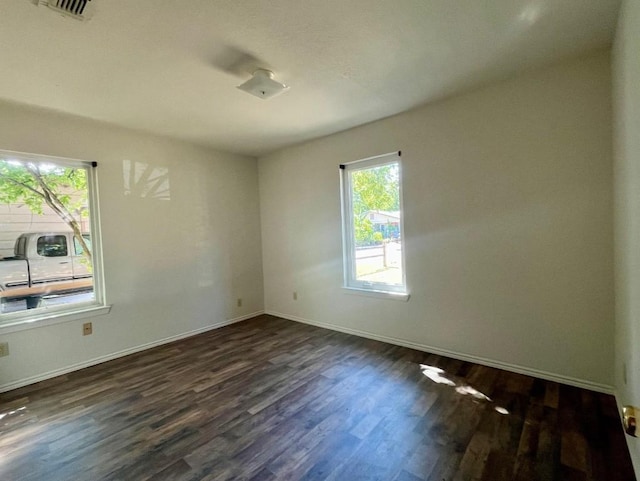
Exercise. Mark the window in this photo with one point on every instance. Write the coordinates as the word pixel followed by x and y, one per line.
pixel 372 225
pixel 50 263
pixel 79 250
pixel 52 246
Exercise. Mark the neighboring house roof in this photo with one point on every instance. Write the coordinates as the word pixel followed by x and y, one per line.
pixel 383 216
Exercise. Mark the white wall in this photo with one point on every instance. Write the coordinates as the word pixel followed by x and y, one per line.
pixel 626 71
pixel 508 226
pixel 171 266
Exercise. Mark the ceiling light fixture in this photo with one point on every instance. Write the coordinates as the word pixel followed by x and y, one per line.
pixel 263 85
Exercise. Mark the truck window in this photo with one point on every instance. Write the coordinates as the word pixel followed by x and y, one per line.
pixel 52 246
pixel 78 248
pixel 21 247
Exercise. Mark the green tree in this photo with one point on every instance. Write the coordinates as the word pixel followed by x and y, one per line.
pixel 377 188
pixel 63 189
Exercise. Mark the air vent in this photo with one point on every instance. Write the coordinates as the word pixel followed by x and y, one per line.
pixel 72 7
pixel 78 9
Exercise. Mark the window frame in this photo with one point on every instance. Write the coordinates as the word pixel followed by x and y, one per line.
pixel 350 281
pixel 30 318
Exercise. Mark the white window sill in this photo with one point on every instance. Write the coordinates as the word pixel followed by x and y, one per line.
pixel 48 318
pixel 395 296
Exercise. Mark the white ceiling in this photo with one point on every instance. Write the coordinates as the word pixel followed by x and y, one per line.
pixel 163 66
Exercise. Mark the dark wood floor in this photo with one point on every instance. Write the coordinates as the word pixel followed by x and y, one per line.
pixel 271 399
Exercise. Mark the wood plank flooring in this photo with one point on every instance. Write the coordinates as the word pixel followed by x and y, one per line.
pixel 269 399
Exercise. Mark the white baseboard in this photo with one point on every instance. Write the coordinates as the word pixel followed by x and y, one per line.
pixel 391 340
pixel 108 357
pixel 571 381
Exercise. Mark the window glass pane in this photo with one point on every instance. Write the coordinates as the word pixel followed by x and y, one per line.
pixel 39 269
pixel 52 246
pixel 373 224
pixel 79 250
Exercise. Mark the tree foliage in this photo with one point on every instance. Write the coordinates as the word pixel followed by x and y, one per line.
pixel 375 189
pixel 63 189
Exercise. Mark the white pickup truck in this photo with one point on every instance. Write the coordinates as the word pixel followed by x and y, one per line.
pixel 45 264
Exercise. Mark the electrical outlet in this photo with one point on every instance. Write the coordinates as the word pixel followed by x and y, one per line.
pixel 239 302
pixel 87 329
pixel 295 296
pixel 4 349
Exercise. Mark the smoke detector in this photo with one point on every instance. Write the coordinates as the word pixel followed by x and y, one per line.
pixel 78 9
pixel 263 85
